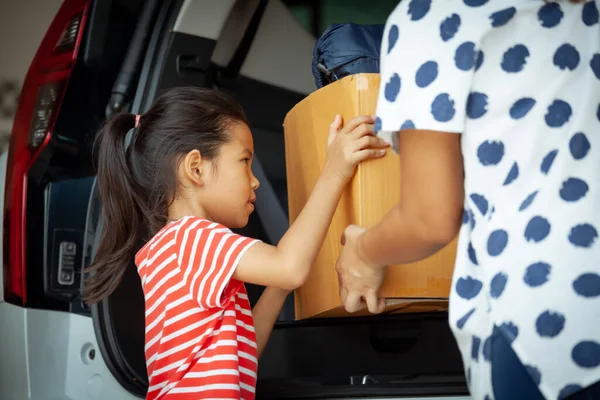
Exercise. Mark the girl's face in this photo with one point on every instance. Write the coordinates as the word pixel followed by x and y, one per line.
pixel 228 192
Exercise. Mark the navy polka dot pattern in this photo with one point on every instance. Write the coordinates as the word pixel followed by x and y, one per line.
pixel 549 324
pixel 521 107
pixel 477 105
pixel 472 254
pixel 393 37
pixel 468 287
pixel 465 56
pixel 377 125
pixel 449 27
pixel 497 242
pixel 460 323
pixel 498 284
pixel 501 18
pixel 426 74
pixel 519 82
pixel 528 200
pixel 475 3
pixel 586 354
pixel 589 14
pixel 510 330
pixel 512 175
pixel 573 189
pixel 417 9
pixel 595 65
pixel 566 57
pixel 408 124
pixel 548 160
pixel 475 347
pixel 481 203
pixel 535 374
pixel 550 15
pixel 558 114
pixel 490 153
pixel 442 108
pixel 515 58
pixel 537 274
pixel 487 349
pixel 568 390
pixel 579 145
pixel 392 88
pixel 479 60
pixel 538 228
pixel 583 235
pixel 587 285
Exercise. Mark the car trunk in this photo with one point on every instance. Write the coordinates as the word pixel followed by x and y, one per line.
pixel 246 49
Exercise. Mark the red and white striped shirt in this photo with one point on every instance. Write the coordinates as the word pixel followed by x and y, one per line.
pixel 200 338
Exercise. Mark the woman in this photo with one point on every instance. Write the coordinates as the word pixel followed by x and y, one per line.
pixel 494 109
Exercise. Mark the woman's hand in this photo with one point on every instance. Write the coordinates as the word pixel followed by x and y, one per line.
pixel 358 279
pixel 351 144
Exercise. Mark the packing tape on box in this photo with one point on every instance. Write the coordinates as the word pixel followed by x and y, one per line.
pixel 362 83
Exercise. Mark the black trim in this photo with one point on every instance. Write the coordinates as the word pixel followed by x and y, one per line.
pixel 124 84
pixel 114 363
pixel 235 64
pixel 395 355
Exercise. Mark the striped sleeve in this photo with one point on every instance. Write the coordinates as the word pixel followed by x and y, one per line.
pixel 209 256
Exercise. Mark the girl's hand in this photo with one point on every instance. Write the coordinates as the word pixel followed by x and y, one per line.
pixel 351 144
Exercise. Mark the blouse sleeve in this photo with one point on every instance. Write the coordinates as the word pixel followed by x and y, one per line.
pixel 429 55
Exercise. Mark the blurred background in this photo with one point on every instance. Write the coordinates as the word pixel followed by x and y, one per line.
pixel 23 24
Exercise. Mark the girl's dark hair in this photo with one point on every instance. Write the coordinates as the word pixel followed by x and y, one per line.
pixel 138 182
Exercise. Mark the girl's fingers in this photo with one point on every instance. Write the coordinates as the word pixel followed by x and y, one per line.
pixel 367 154
pixel 334 128
pixel 369 141
pixel 362 130
pixel 356 122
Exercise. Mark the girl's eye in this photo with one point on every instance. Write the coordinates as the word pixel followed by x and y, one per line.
pixel 246 160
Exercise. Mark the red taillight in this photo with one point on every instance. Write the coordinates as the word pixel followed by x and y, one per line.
pixel 39 103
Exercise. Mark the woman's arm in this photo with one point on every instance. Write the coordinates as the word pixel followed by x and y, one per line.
pixel 265 314
pixel 429 214
pixel 426 219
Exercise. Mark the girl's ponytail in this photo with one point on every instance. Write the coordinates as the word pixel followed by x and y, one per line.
pixel 122 210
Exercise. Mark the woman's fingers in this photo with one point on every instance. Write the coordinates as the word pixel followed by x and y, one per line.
pixel 352 303
pixel 374 303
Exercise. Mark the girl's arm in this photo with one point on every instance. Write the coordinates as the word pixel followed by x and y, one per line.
pixel 265 314
pixel 287 265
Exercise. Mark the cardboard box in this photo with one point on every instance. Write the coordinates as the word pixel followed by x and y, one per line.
pixel 374 190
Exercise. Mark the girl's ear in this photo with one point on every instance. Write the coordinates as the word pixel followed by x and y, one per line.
pixel 192 167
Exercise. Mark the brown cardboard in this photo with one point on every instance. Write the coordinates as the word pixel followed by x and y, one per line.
pixel 374 190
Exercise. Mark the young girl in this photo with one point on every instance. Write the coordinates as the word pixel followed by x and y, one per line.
pixel 184 180
pixel 495 108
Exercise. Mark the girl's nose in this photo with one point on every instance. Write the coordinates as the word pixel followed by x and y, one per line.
pixel 255 183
